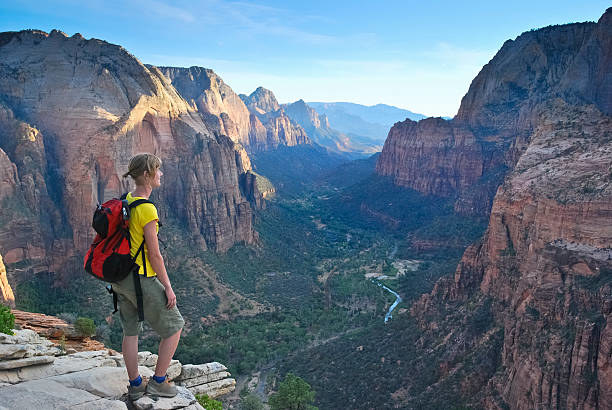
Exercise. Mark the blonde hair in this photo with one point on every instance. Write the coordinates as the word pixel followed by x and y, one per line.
pixel 141 163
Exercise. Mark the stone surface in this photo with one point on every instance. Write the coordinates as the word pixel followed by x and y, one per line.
pixel 61 365
pixel 47 394
pixel 25 343
pixel 261 126
pixel 53 329
pixel 29 361
pixel 196 370
pixel 261 101
pixel 207 378
pixel 108 382
pixel 216 388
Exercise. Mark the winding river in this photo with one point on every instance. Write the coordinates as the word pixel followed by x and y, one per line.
pixel 398 299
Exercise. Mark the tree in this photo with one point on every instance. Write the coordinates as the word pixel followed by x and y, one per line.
pixel 7 320
pixel 293 394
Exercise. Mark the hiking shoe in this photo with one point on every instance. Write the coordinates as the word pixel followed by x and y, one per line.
pixel 163 389
pixel 136 392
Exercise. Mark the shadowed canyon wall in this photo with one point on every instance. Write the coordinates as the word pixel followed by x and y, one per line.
pixel 544 267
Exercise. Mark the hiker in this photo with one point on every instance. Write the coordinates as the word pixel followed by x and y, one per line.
pixel 158 298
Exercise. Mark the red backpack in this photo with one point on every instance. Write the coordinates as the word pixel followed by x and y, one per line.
pixel 108 257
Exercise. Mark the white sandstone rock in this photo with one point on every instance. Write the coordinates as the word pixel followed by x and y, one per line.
pixel 190 371
pixel 207 378
pixel 216 388
pixel 44 394
pixel 25 362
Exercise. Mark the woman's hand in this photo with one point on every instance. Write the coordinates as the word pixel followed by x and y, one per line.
pixel 171 298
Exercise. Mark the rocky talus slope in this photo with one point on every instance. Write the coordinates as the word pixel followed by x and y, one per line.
pixel 467 157
pixel 35 373
pixel 535 294
pixel 72 113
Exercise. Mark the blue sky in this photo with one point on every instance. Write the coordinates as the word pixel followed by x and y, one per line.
pixel 416 55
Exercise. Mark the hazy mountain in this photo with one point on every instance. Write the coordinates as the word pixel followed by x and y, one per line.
pixel 361 121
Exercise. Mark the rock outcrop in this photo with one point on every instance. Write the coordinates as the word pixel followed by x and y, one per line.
pixel 57 331
pixel 8 298
pixel 539 282
pixel 73 111
pixel 467 157
pixel 34 373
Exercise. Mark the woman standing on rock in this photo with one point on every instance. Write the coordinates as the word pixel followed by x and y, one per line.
pixel 158 299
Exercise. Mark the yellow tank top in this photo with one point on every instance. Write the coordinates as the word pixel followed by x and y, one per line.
pixel 139 217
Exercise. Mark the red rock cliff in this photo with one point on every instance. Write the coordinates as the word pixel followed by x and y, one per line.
pixel 77 110
pixel 545 262
pixel 466 157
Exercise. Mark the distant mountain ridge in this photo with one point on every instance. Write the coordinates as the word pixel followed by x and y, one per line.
pixel 319 129
pixel 358 120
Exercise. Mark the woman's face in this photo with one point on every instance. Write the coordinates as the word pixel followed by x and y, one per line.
pixel 156 179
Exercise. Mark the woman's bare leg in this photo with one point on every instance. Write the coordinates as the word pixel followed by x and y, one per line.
pixel 167 347
pixel 129 349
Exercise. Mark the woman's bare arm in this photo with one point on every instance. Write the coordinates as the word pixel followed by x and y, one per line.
pixel 157 261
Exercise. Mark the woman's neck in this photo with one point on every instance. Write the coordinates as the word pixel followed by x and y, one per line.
pixel 142 191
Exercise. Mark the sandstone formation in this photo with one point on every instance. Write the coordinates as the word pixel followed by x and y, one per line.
pixel 261 101
pixel 8 298
pixel 226 113
pixel 267 114
pixel 56 330
pixel 35 374
pixel 72 113
pixel 536 291
pixel 206 92
pixel 467 157
pixel 318 128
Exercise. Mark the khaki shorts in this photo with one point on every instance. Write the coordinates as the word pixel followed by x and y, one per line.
pixel 164 321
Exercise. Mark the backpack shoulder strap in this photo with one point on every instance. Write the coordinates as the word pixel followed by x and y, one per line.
pixel 140 202
pixel 124 196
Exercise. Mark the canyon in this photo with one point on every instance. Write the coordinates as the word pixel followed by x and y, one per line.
pixel 525 320
pixel 542 272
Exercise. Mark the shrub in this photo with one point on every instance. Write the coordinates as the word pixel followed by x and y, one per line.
pixel 208 403
pixel 7 320
pixel 85 326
